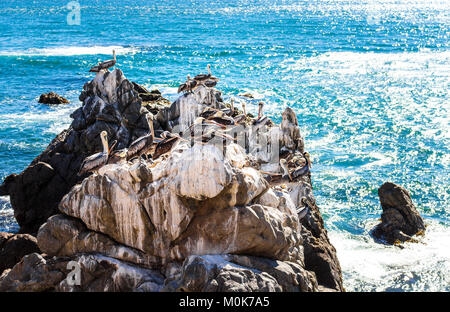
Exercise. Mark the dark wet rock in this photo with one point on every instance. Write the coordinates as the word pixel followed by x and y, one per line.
pixel 320 254
pixel 13 247
pixel 52 98
pixel 400 220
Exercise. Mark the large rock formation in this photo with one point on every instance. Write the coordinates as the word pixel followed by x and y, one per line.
pixel 400 219
pixel 203 217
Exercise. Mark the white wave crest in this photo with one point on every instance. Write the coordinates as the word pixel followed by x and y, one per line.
pixel 71 51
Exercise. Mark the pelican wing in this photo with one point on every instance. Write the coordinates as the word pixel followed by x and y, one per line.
pixel 93 162
pixel 300 172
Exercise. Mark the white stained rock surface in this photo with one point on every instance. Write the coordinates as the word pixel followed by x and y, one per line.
pixel 195 201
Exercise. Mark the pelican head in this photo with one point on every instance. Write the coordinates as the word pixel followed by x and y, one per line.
pixel 308 158
pixel 114 55
pixel 261 105
pixel 104 138
pixel 243 108
pixel 188 77
pixel 150 124
pixel 284 167
pixel 232 105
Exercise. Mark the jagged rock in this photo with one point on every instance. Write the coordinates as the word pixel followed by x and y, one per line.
pixel 13 247
pixel 202 215
pixel 110 103
pixel 400 219
pixel 97 273
pixel 52 98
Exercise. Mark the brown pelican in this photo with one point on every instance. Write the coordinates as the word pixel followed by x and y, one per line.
pixel 118 156
pixel 261 120
pixel 243 108
pixel 201 121
pixel 94 162
pixel 302 212
pixel 303 170
pixel 204 77
pixel 260 110
pixel 221 118
pixel 165 146
pixel 277 177
pixel 188 86
pixel 210 83
pixel 285 169
pixel 208 112
pixel 142 145
pixel 104 65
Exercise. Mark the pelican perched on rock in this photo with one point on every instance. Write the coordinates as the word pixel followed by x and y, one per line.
pixel 202 122
pixel 277 177
pixel 261 120
pixel 104 65
pixel 94 162
pixel 165 146
pixel 118 156
pixel 142 145
pixel 204 77
pixel 303 170
pixel 188 86
pixel 221 118
pixel 302 212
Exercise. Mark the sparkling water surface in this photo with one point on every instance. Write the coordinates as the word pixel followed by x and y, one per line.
pixel 369 81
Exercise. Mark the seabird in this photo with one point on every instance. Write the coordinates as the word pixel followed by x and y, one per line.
pixel 104 65
pixel 232 105
pixel 165 146
pixel 204 77
pixel 277 177
pixel 142 145
pixel 303 170
pixel 188 86
pixel 94 162
pixel 308 205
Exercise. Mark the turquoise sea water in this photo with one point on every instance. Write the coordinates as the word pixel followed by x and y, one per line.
pixel 369 81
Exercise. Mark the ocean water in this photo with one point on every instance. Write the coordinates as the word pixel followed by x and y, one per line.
pixel 369 81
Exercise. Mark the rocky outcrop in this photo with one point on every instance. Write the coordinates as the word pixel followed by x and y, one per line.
pixel 202 217
pixel 52 98
pixel 13 247
pixel 400 220
pixel 110 103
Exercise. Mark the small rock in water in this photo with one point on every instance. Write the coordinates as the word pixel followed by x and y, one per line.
pixel 52 98
pixel 400 219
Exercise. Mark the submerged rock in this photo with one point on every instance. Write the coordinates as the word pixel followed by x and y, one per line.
pixel 52 98
pixel 400 220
